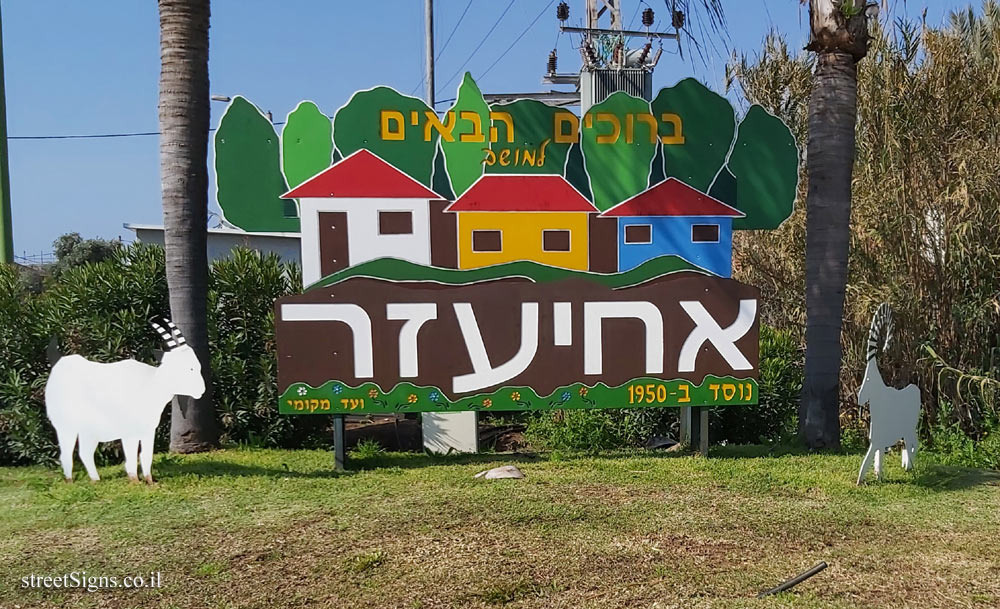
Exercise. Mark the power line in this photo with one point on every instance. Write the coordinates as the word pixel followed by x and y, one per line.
pixel 81 137
pixel 453 30
pixel 478 46
pixel 445 45
pixel 516 40
pixel 94 136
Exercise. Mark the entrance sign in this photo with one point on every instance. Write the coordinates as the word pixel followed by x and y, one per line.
pixel 512 256
pixel 364 345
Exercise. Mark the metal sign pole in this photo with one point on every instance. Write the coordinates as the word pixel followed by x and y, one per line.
pixel 339 450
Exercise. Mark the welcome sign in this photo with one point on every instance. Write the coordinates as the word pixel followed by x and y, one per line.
pixel 512 256
pixel 683 338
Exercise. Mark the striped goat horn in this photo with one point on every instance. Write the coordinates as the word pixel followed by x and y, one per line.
pixel 176 332
pixel 881 323
pixel 167 337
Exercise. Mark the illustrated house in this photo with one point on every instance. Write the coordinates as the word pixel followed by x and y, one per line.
pixel 363 208
pixel 507 217
pixel 674 218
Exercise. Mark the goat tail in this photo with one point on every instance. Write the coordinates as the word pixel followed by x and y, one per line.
pixel 881 325
pixel 52 351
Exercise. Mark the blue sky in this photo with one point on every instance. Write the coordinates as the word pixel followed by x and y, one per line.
pixel 92 67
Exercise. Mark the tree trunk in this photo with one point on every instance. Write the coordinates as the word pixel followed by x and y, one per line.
pixel 184 124
pixel 830 163
pixel 840 40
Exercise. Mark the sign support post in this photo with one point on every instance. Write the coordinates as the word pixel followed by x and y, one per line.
pixel 339 450
pixel 694 428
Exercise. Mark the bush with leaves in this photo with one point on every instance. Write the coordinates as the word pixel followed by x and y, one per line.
pixel 242 292
pixel 72 250
pixel 769 421
pixel 101 311
pixel 780 385
pixel 924 214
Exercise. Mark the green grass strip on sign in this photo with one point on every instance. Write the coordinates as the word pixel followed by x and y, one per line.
pixel 334 397
pixel 393 269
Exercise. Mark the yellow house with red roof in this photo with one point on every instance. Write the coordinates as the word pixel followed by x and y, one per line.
pixel 507 218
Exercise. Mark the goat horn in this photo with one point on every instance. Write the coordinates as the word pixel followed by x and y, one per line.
pixel 176 332
pixel 166 336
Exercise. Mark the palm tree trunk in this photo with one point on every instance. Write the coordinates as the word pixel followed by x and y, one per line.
pixel 830 163
pixel 184 124
pixel 840 40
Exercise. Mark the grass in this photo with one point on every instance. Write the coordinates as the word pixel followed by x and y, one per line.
pixel 263 528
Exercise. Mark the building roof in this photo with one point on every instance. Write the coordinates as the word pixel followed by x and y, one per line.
pixel 510 192
pixel 361 175
pixel 673 198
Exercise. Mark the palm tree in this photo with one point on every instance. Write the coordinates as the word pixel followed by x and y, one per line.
pixel 839 37
pixel 184 124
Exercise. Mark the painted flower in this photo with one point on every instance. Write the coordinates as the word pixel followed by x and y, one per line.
pixel 302 391
pixel 373 393
pixel 583 391
pixel 566 396
pixel 487 403
pixel 412 398
pixel 434 396
pixel 337 389
pixel 515 396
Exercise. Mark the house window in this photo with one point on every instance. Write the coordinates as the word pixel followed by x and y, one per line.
pixel 705 233
pixel 486 241
pixel 639 233
pixel 555 240
pixel 395 223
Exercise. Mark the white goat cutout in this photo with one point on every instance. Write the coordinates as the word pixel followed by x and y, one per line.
pixel 93 402
pixel 894 412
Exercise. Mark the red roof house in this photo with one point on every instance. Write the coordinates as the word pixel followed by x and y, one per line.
pixel 361 175
pixel 674 219
pixel 510 217
pixel 672 198
pixel 362 208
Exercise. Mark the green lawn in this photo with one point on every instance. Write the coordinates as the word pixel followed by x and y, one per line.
pixel 259 528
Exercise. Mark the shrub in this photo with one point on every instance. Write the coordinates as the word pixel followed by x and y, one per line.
pixel 772 418
pixel 780 388
pixel 101 311
pixel 242 292
pixel 72 251
pixel 593 430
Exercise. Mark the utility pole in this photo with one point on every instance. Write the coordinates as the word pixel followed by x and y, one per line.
pixel 608 65
pixel 6 228
pixel 429 48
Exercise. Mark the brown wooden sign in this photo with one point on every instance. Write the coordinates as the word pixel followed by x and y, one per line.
pixel 424 345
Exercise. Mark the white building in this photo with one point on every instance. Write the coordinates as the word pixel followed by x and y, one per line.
pixel 362 208
pixel 222 241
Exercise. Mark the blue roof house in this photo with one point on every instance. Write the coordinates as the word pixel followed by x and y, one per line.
pixel 672 218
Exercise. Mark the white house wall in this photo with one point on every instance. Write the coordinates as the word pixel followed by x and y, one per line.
pixel 364 241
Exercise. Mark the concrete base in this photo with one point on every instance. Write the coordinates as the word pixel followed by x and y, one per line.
pixel 451 432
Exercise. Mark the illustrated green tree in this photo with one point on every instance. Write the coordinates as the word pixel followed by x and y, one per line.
pixel 306 143
pixel 618 166
pixel 695 147
pixel 534 128
pixel 406 138
pixel 470 132
pixel 248 171
pixel 764 166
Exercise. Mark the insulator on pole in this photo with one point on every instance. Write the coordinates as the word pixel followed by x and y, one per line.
pixel 648 17
pixel 645 53
pixel 552 62
pixel 678 20
pixel 562 11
